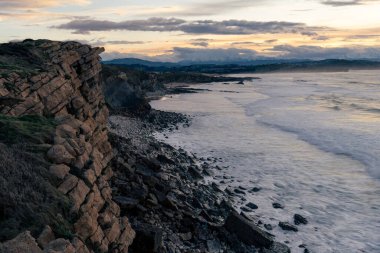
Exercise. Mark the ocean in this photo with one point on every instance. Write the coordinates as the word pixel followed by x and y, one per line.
pixel 310 141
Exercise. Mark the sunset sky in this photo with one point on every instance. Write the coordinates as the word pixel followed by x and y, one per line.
pixel 170 30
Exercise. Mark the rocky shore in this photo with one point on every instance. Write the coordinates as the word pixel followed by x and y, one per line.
pixel 89 183
pixel 167 197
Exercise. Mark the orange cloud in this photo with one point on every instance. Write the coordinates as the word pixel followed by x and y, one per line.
pixel 27 4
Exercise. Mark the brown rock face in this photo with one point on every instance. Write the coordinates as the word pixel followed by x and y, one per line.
pixel 67 87
pixel 21 244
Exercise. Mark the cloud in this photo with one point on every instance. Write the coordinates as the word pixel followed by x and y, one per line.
pixel 271 41
pixel 100 42
pixel 238 54
pixel 200 43
pixel 29 4
pixel 235 27
pixel 212 54
pixel 339 3
pixel 321 38
pixel 363 36
pixel 215 7
pixel 192 54
pixel 319 53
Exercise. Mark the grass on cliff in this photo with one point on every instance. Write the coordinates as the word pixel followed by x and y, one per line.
pixel 29 198
pixel 29 128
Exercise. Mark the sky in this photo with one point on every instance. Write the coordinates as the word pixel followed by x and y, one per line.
pixel 213 30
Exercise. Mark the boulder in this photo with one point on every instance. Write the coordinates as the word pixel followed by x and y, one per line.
pixel 278 205
pixel 148 239
pixel 59 170
pixel 277 247
pixel 287 226
pixel 60 246
pixel 58 154
pixel 23 243
pixel 247 231
pixel 251 205
pixel 299 219
pixel 70 182
pixel 46 237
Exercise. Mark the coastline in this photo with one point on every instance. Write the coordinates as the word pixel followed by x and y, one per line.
pixel 166 195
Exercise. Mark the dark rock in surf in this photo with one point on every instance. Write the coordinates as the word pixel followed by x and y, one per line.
pixel 277 247
pixel 299 219
pixel 252 205
pixel 246 231
pixel 287 226
pixel 277 205
pixel 256 189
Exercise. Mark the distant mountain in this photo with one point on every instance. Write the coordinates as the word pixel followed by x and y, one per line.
pixel 257 66
pixel 136 61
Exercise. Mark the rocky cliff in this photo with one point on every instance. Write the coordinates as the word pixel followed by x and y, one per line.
pixel 61 81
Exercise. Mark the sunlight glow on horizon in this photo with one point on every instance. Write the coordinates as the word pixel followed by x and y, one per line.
pixel 330 26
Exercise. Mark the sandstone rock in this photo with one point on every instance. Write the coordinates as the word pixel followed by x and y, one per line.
pixel 79 246
pixel 127 236
pixel 58 154
pixel 86 225
pixel 90 176
pixel 78 194
pixel 66 131
pixel 70 182
pixel 60 246
pixel 113 232
pixel 59 170
pixel 46 237
pixel 23 243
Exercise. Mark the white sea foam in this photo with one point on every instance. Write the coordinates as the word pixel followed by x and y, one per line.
pixel 311 141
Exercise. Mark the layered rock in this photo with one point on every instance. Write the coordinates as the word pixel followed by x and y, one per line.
pixel 66 86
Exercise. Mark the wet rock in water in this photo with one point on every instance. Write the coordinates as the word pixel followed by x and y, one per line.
pixel 195 172
pixel 287 226
pixel 247 231
pixel 277 247
pixel 256 189
pixel 268 226
pixel 238 191
pixel 246 209
pixel 148 239
pixel 229 191
pixel 277 205
pixel 252 205
pixel 299 219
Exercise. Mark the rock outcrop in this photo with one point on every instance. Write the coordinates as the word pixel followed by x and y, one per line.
pixel 64 83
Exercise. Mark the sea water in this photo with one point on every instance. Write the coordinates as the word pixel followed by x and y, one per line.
pixel 310 141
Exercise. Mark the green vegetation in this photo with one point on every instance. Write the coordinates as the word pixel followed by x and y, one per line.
pixel 30 128
pixel 29 198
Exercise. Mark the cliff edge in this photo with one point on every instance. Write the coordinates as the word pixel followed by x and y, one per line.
pixel 60 82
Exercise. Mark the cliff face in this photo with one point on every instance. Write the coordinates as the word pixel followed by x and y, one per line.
pixel 62 80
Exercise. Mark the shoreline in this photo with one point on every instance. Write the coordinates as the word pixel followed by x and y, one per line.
pixel 164 193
